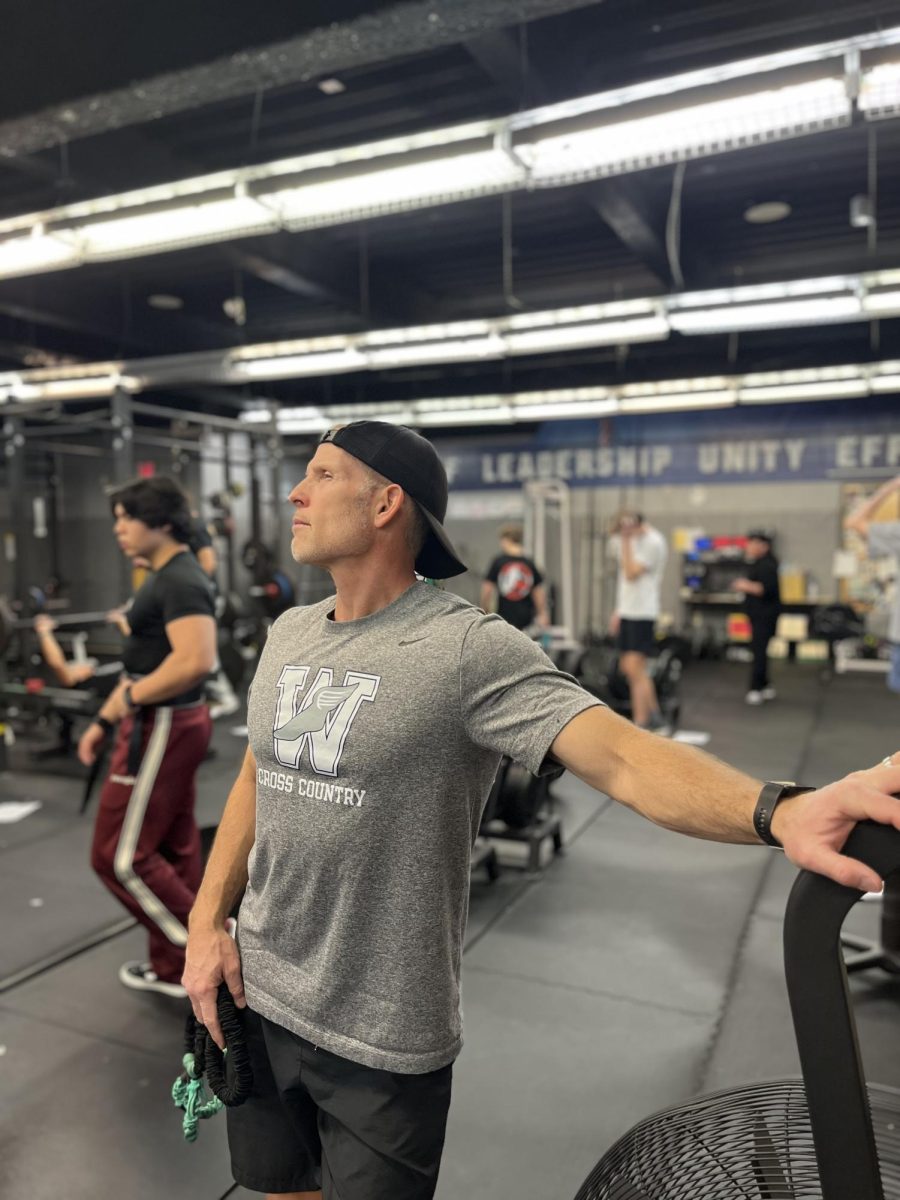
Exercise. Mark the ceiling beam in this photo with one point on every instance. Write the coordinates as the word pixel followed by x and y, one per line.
pixel 500 55
pixel 620 204
pixel 404 29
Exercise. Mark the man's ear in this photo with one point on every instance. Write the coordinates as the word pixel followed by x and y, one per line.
pixel 389 504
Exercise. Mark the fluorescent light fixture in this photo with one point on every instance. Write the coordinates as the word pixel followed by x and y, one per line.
pixel 426 333
pixel 879 91
pixel 688 132
pixel 605 333
pixel 296 365
pixel 789 289
pixel 500 415
pixel 835 389
pixel 885 383
pixel 168 229
pixel 679 402
pixel 767 316
pixel 882 304
pixel 566 410
pixel 38 252
pixel 397 188
pixel 479 158
pixel 611 311
pixel 74 389
pixel 436 352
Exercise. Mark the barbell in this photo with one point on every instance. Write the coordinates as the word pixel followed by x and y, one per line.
pixel 10 624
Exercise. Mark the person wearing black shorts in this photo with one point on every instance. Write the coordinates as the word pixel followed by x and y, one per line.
pixel 377 719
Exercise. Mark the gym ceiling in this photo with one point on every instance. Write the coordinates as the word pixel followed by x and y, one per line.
pixel 95 102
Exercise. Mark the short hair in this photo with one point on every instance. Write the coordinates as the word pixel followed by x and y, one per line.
pixel 512 533
pixel 157 501
pixel 759 535
pixel 417 527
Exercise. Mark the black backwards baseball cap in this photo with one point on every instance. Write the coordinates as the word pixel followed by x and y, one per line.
pixel 409 460
pixel 759 535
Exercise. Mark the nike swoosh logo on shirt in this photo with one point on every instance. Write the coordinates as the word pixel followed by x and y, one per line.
pixel 409 641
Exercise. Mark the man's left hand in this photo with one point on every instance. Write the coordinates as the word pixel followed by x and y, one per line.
pixel 814 826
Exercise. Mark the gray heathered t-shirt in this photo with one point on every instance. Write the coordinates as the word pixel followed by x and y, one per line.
pixel 376 743
pixel 884 539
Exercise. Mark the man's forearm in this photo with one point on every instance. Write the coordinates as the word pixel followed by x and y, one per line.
pixel 861 516
pixel 675 786
pixel 174 675
pixel 226 871
pixel 632 568
pixel 685 789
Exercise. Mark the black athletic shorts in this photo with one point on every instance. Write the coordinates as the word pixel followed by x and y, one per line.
pixel 316 1120
pixel 636 636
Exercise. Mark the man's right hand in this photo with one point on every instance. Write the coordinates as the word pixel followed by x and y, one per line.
pixel 212 957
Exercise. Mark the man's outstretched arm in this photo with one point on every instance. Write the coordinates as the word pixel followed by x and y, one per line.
pixel 861 517
pixel 683 789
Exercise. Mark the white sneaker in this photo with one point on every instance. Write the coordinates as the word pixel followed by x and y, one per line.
pixel 754 697
pixel 224 708
pixel 143 978
pixel 768 693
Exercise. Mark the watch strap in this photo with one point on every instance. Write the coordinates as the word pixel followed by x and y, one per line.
pixel 769 798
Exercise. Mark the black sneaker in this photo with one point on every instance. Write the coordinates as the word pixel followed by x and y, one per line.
pixel 143 978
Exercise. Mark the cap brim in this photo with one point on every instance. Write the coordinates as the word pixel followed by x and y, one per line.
pixel 437 559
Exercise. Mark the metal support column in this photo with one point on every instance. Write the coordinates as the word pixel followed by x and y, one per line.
pixel 16 532
pixel 275 456
pixel 122 449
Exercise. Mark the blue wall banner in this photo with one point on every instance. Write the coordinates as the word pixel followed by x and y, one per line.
pixel 784 443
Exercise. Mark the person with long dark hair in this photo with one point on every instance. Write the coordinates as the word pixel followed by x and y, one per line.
pixel 146 846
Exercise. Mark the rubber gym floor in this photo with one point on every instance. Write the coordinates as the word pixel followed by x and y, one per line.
pixel 638 968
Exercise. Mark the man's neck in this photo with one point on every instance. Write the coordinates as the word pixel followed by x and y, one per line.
pixel 165 553
pixel 360 594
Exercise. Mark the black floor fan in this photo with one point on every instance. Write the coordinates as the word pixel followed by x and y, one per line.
pixel 825 1137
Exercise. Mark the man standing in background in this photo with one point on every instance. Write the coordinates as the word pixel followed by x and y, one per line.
pixel 641 553
pixel 762 603
pixel 513 579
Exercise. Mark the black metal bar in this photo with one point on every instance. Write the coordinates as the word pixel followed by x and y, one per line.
pixel 121 421
pixel 207 419
pixel 229 539
pixel 823 1020
pixel 68 448
pixel 16 539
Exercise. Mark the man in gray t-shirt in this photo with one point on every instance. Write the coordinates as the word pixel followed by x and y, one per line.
pixel 883 541
pixel 377 720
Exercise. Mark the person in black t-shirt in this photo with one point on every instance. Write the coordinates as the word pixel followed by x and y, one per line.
pixel 513 579
pixel 762 603
pixel 146 846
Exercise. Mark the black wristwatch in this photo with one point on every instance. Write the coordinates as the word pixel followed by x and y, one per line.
pixel 105 724
pixel 769 798
pixel 132 704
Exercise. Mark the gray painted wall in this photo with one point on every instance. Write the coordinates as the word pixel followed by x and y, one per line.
pixel 804 517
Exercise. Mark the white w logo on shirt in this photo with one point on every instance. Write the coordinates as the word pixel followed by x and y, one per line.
pixel 322 720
